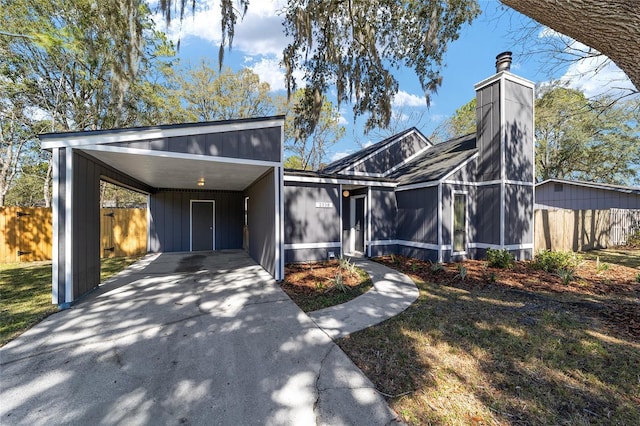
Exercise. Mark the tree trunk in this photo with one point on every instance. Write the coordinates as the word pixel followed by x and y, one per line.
pixel 610 26
pixel 47 184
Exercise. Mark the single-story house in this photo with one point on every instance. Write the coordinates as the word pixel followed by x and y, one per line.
pixel 579 195
pixel 222 185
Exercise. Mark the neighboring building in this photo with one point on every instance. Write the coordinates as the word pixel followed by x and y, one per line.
pixel 222 185
pixel 578 195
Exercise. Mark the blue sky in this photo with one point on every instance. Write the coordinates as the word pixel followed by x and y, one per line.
pixel 259 41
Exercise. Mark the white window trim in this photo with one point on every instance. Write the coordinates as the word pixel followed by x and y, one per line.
pixel 301 246
pixel 466 222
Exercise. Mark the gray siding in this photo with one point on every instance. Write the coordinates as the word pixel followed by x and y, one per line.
pixel 467 173
pixel 573 197
pixel 393 155
pixel 304 222
pixel 384 211
pixel 519 132
pixel 518 215
pixel 87 172
pixel 487 217
pixel 418 215
pixel 255 144
pixel 488 125
pixel 170 217
pixel 262 220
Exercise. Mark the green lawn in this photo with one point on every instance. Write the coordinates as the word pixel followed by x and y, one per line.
pixel 25 293
pixel 626 257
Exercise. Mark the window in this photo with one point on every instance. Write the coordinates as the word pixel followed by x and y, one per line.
pixel 459 222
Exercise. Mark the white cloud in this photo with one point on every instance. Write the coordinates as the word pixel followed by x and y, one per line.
pixel 342 121
pixel 258 33
pixel 270 71
pixel 593 74
pixel 403 98
pixel 596 76
pixel 339 155
pixel 367 144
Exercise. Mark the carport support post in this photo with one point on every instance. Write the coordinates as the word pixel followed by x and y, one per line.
pixel 62 265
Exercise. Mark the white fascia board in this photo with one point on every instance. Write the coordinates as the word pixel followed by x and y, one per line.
pixel 79 140
pixel 419 185
pixel 299 246
pixel 365 174
pixel 407 243
pixel 180 155
pixel 498 246
pixel 387 146
pixel 507 76
pixel 55 208
pixel 310 179
pixel 68 227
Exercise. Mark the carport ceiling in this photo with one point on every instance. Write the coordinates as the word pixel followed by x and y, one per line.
pixel 179 173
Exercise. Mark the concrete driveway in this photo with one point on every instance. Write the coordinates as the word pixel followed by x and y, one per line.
pixel 184 339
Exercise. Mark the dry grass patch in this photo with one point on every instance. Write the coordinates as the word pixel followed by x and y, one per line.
pixel 487 352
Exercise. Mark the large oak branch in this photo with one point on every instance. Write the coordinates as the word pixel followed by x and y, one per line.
pixel 610 26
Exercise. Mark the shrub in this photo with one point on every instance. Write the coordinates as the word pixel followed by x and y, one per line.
pixel 634 239
pixel 566 275
pixel 638 278
pixel 500 258
pixel 436 267
pixel 554 261
pixel 462 272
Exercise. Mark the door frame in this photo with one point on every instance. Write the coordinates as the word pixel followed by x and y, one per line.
pixel 213 224
pixel 352 224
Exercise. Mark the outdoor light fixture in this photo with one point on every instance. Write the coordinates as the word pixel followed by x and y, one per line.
pixel 200 182
pixel 345 193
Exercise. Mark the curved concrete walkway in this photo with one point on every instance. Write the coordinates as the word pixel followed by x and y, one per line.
pixel 393 292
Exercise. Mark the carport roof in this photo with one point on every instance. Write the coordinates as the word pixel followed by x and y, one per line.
pixel 169 169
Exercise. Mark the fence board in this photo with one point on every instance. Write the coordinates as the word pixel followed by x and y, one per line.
pixel 123 232
pixel 571 230
pixel 26 233
pixel 623 224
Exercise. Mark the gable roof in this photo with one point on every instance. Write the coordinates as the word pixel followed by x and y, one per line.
pixel 358 156
pixel 438 161
pixel 594 185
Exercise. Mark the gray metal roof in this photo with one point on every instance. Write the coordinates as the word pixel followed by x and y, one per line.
pixel 433 165
pixel 344 162
pixel 438 161
pixel 594 185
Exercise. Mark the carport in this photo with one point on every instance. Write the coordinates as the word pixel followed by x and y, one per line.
pixel 211 186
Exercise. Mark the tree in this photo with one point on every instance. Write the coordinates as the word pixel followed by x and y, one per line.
pixel 612 27
pixel 576 138
pixel 309 151
pixel 76 65
pixel 461 123
pixel 225 95
pixel 348 44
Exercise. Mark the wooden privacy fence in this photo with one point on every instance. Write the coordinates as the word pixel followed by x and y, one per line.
pixel 580 230
pixel 26 233
pixel 623 224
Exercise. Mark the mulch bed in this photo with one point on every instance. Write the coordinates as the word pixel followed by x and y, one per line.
pixel 315 277
pixel 621 311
